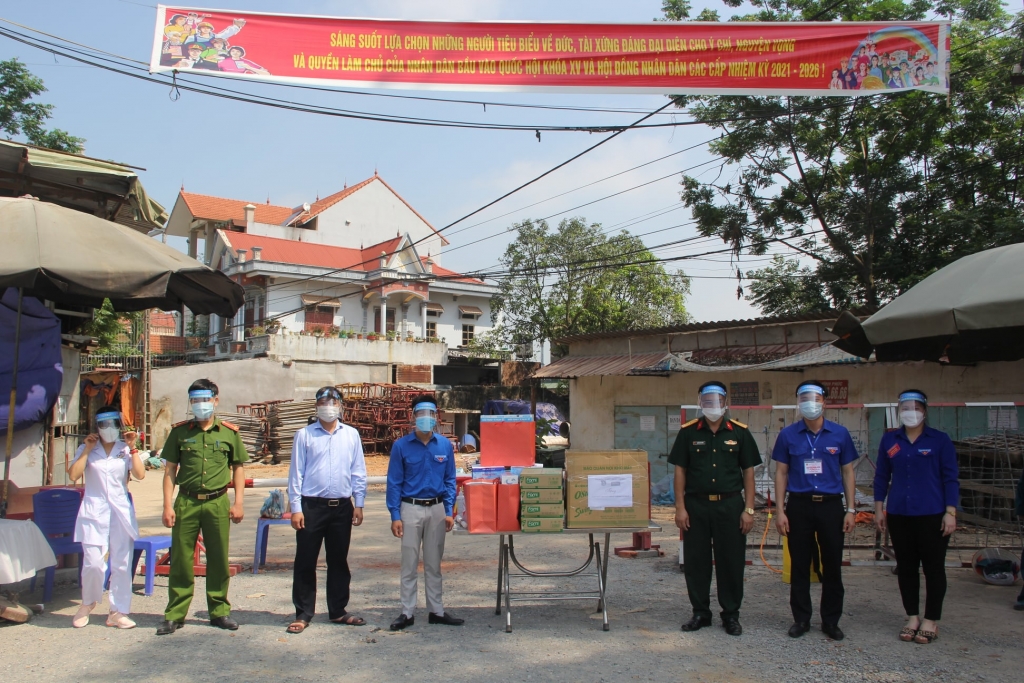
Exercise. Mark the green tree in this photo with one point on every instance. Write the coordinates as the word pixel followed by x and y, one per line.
pixel 19 115
pixel 874 194
pixel 117 332
pixel 576 280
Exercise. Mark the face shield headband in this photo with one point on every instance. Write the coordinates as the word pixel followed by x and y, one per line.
pixel 805 389
pixel 109 419
pixel 205 394
pixel 712 396
pixel 328 392
pixel 432 407
pixel 908 396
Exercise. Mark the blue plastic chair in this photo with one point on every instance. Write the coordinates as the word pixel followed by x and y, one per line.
pixel 55 512
pixel 259 558
pixel 149 545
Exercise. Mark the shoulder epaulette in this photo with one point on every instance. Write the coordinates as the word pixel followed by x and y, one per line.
pixel 738 423
pixel 229 425
pixel 691 422
pixel 180 424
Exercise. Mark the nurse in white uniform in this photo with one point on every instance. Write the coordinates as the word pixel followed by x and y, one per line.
pixel 106 520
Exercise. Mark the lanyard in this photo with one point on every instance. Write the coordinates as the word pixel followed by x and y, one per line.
pixel 813 444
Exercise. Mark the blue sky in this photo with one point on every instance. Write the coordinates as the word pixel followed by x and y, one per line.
pixel 242 151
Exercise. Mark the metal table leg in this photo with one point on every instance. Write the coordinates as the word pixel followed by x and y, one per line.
pixel 507 549
pixel 501 566
pixel 602 602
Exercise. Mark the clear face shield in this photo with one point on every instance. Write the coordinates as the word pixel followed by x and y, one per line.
pixel 108 426
pixel 425 415
pixel 810 400
pixel 202 402
pixel 912 408
pixel 712 403
pixel 328 404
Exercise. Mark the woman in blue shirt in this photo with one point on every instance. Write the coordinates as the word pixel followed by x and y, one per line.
pixel 917 471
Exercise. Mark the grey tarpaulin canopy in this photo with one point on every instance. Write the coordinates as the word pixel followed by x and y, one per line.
pixel 972 310
pixel 74 258
pixel 70 257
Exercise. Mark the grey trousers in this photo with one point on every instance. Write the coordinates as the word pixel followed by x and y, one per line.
pixel 422 526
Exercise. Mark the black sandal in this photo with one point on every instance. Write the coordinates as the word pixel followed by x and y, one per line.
pixel 349 620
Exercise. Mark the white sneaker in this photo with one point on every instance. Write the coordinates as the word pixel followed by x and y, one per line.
pixel 81 618
pixel 118 620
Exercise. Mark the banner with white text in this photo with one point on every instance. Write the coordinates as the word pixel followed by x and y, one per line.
pixel 727 58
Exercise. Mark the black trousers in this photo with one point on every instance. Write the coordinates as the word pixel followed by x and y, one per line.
pixel 330 526
pixel 918 543
pixel 822 521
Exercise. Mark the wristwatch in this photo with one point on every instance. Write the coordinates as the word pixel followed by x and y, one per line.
pixel 749 511
pixel 851 511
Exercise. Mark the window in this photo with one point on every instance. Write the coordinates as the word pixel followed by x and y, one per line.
pixel 433 313
pixel 431 329
pixel 467 334
pixel 321 317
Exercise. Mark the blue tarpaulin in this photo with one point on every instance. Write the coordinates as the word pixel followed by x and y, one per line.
pixel 39 363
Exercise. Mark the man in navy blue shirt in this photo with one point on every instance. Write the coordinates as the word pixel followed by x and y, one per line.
pixel 814 462
pixel 420 498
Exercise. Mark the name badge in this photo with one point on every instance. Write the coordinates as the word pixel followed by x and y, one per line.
pixel 813 467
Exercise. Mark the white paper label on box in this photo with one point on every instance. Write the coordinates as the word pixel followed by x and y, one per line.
pixel 609 491
pixel 674 423
pixel 510 479
pixel 646 423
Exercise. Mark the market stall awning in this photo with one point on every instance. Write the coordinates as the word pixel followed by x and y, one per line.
pixel 317 300
pixel 100 188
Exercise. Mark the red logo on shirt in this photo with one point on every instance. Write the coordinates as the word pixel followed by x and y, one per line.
pixel 894 450
pixel 832 450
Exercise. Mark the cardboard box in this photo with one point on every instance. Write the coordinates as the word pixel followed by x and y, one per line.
pixel 581 466
pixel 542 510
pixel 541 495
pixel 507 440
pixel 508 507
pixel 481 472
pixel 509 478
pixel 540 478
pixel 534 525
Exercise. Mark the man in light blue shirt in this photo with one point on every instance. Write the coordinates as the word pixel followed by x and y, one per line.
pixel 326 488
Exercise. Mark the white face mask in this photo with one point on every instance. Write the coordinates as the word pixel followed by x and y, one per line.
pixel 911 418
pixel 203 411
pixel 713 414
pixel 811 410
pixel 109 434
pixel 327 413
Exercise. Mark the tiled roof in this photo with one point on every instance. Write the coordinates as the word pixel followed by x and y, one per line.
pixel 454 276
pixel 220 209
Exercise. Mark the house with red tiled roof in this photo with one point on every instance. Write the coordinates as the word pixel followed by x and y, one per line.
pixel 360 261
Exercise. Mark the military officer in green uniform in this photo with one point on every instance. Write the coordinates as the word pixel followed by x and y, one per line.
pixel 714 485
pixel 204 457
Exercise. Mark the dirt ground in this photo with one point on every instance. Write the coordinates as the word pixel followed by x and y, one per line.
pixel 982 638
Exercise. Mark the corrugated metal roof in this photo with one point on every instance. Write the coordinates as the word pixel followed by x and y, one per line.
pixel 585 366
pixel 824 316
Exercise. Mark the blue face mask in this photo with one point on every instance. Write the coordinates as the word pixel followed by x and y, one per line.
pixel 203 411
pixel 425 423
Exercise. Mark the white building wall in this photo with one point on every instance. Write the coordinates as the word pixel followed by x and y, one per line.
pixel 449 324
pixel 285 297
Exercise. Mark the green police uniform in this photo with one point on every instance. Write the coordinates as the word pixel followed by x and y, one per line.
pixel 714 464
pixel 204 462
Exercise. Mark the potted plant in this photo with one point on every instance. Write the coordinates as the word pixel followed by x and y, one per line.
pixel 273 327
pixel 359 335
pixel 409 337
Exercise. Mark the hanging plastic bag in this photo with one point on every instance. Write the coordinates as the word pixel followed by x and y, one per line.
pixel 273 505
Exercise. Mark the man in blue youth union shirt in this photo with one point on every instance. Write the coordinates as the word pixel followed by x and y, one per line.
pixel 814 463
pixel 420 498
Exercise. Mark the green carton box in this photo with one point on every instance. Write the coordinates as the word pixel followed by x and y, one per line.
pixel 542 510
pixel 541 525
pixel 540 495
pixel 540 478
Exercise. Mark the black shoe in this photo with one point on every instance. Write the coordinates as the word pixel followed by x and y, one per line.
pixel 168 627
pixel 402 621
pixel 833 631
pixel 446 619
pixel 799 628
pixel 226 623
pixel 696 624
pixel 732 626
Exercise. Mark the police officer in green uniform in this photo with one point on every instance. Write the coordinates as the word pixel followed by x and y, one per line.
pixel 714 485
pixel 204 456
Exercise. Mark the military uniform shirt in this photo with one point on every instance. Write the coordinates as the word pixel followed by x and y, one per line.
pixel 204 459
pixel 714 462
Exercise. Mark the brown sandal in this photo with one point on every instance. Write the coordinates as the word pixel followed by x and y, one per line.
pixel 349 620
pixel 925 637
pixel 908 634
pixel 297 626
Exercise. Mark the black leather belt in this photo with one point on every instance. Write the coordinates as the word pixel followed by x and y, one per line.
pixel 329 502
pixel 203 496
pixel 715 496
pixel 426 502
pixel 815 498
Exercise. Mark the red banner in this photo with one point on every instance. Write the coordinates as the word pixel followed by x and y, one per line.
pixel 843 59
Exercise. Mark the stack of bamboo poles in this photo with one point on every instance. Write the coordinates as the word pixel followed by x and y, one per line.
pixel 252 427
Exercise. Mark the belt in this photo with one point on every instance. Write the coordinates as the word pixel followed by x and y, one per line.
pixel 426 502
pixel 815 498
pixel 329 502
pixel 715 496
pixel 203 496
